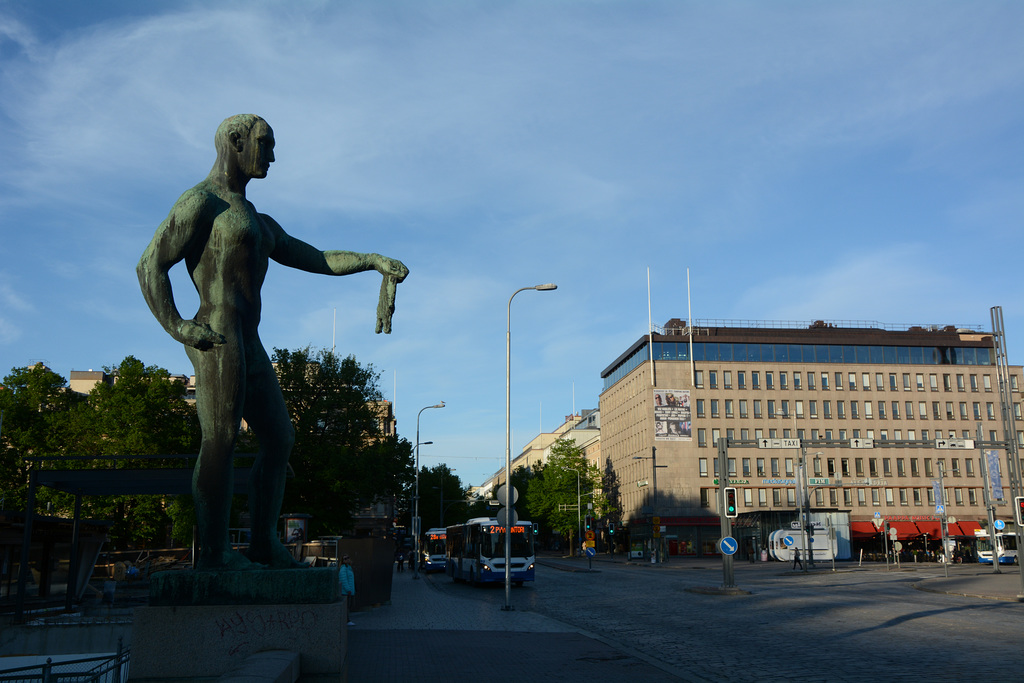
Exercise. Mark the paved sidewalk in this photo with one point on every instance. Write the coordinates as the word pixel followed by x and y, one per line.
pixel 426 635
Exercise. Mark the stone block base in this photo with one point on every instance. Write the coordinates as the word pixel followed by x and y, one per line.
pixel 207 641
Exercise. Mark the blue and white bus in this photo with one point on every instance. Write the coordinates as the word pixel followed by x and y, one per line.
pixel 1006 547
pixel 476 552
pixel 434 550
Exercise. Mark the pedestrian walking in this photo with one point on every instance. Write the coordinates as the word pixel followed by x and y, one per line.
pixel 400 560
pixel 347 583
pixel 796 558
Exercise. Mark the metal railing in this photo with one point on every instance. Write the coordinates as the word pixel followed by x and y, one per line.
pixel 702 326
pixel 105 669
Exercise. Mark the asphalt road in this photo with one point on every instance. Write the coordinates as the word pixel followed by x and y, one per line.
pixel 829 626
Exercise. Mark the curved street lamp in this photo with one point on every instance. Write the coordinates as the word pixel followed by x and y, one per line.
pixel 416 501
pixel 508 442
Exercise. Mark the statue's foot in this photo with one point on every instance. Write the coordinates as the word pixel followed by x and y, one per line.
pixel 274 555
pixel 226 561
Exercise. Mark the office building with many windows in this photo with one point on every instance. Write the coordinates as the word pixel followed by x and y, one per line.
pixel 836 387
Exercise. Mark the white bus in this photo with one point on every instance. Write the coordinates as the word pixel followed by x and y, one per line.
pixel 476 552
pixel 1006 547
pixel 433 550
pixel 824 547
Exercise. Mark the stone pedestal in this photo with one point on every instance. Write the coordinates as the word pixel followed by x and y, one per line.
pixel 223 617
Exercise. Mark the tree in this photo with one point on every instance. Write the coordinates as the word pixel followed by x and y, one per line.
pixel 342 456
pixel 434 482
pixel 553 491
pixel 142 413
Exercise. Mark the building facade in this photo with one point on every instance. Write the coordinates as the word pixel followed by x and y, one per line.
pixel 837 389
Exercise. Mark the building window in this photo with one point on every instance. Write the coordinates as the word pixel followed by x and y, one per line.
pixel 841 409
pixel 702 463
pixel 760 467
pixel 914 472
pixel 920 382
pixel 881 410
pixel 762 498
pixel 745 434
pixel 886 466
pixel 845 464
pixel 933 381
pixel 824 381
pixel 974 382
pixel 947 385
pixel 960 383
pixel 892 382
pixel 796 380
pixel 700 407
pixel 813 407
pixel 847 497
pixel 969 466
pixel 783 381
pixel 963 410
pixel 903 497
pixel 867 410
pixel 936 415
pixel 757 408
pixel 827 407
pixel 702 437
pixel 716 434
pixel 927 467
pixel 791 497
pixel 949 410
pixel 714 407
pixel 785 408
pixel 917 497
pixel 741 379
pixel 743 407
pixel 705 498
pixel 853 381
pixel 810 380
pixel 861 497
pixel 775 467
pixel 777 497
pixel 713 379
pixel 875 497
pixel 800 409
pixel 873 467
pixel 977 410
pixel 854 410
pixel 769 380
pixel 895 410
pixel 954 463
pixel 727 379
pixel 839 381
pixel 746 467
pixel 698 379
pixel 771 408
pixel 859 465
pixel 728 408
pixel 906 381
pixel 900 468
pixel 755 379
pixel 879 381
pixel 990 411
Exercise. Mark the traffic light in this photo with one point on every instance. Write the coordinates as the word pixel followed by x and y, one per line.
pixel 589 520
pixel 1018 508
pixel 611 528
pixel 730 502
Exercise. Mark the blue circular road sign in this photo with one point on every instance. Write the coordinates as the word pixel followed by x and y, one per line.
pixel 788 540
pixel 728 545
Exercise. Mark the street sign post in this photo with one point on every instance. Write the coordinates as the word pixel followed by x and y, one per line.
pixel 728 545
pixel 778 443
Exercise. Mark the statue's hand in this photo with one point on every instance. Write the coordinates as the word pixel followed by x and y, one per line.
pixel 198 335
pixel 392 267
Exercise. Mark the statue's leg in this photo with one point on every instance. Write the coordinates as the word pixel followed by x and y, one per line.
pixel 267 415
pixel 219 390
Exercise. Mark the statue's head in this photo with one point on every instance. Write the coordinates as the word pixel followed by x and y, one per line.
pixel 250 138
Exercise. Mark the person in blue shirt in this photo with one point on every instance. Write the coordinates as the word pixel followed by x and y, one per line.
pixel 347 581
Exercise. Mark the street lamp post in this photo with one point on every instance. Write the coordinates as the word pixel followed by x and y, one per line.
pixel 508 442
pixel 416 502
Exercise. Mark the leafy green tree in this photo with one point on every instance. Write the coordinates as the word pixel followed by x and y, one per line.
pixel 35 404
pixel 553 491
pixel 142 413
pixel 342 457
pixel 434 482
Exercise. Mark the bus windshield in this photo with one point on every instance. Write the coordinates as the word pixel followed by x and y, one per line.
pixel 493 541
pixel 434 544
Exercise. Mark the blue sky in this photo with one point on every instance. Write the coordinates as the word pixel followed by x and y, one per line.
pixel 840 160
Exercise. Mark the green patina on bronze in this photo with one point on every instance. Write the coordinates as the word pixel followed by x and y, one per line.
pixel 227 246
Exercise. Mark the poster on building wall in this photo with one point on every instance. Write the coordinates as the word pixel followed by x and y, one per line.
pixel 672 415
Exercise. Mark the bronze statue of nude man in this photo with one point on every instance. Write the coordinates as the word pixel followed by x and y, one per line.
pixel 226 246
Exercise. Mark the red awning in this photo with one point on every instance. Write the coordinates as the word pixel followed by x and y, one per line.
pixel 863 530
pixel 968 527
pixel 905 530
pixel 931 527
